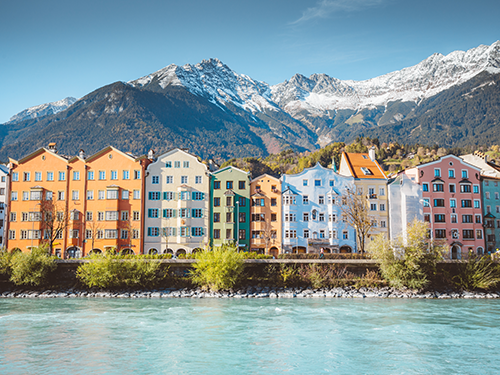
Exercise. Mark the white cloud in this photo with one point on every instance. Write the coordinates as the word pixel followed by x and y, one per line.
pixel 325 8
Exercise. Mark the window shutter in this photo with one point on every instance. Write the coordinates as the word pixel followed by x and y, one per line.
pixel 192 231
pixel 202 196
pixel 164 212
pixel 193 197
pixel 174 213
pixel 193 213
pixel 149 231
pixel 174 231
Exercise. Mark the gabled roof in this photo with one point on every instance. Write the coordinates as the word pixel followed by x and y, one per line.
pixel 230 167
pixel 40 151
pixel 265 175
pixel 289 191
pixel 361 166
pixel 462 161
pixel 111 148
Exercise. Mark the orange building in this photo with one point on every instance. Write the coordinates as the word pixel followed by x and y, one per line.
pixel 265 215
pixel 77 204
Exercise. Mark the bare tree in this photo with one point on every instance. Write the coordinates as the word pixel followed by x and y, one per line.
pixel 54 221
pixel 354 207
pixel 268 234
pixel 94 227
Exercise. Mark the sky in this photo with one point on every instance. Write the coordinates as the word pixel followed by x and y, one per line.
pixel 53 49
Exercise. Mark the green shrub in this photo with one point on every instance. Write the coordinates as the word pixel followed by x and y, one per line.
pixel 5 259
pixel 32 268
pixel 477 273
pixel 409 263
pixel 288 275
pixel 219 268
pixel 113 271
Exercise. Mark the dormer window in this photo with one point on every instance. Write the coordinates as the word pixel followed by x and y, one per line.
pixel 366 171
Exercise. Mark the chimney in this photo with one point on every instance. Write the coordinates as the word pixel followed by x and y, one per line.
pixel 371 153
pixel 52 147
pixel 81 154
pixel 151 154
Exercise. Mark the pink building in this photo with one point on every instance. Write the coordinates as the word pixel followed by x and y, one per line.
pixel 452 203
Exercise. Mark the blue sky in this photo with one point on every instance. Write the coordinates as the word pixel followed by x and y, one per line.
pixel 52 49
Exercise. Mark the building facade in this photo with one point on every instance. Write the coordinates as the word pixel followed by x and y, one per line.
pixel 4 198
pixel 370 181
pixel 230 207
pixel 452 203
pixel 312 215
pixel 177 206
pixel 77 205
pixel 405 205
pixel 265 215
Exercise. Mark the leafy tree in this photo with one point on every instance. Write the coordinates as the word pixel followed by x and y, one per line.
pixel 32 268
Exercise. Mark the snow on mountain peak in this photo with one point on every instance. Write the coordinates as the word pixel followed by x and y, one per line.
pixel 42 110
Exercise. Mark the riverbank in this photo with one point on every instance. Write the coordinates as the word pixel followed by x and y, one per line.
pixel 252 292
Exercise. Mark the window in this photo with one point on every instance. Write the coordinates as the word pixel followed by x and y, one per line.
pixel 464 173
pixel 345 235
pixel 153 231
pixel 26 176
pixel 273 217
pixel 242 217
pixel 229 201
pixel 382 207
pixel 198 196
pixel 229 234
pixel 305 216
pixel 332 218
pixel 321 234
pixel 216 217
pixel 440 233
pixel 89 216
pixel 48 195
pixel 468 234
pixel 477 203
pixel 137 194
pixel 126 175
pixel 478 219
pixel 216 233
pixel 155 179
pixel 13 195
pixel 74 233
pixel 439 218
pixel 154 195
pixel 332 182
pixel 90 175
pixel 291 233
pixel 102 175
pixel 289 200
pixel 15 176
pixel 13 216
pixel 475 189
pixel 273 202
pixel 437 172
pixel 184 213
pixel 38 176
pixel 321 216
pixel 100 216
pixel 466 203
pixel 241 185
pixel 229 184
pixel 382 224
pixel 243 202
pixel 197 179
pixel 317 182
pixel 76 175
pixel 321 199
pixel 197 213
pixel 453 203
pixel 26 196
pixel 305 199
pixel 465 188
pixel 479 234
pixel 50 176
pixel 216 185
pixel 60 195
pixel 196 231
pixel 153 212
pixel 114 175
pixel 451 173
pixel 111 215
pixel 184 179
pixel 125 194
pixel 112 194
pixel 216 202
pixel 381 191
pixel 373 206
pixel 305 182
pixel 452 188
pixel 75 195
pixel 487 194
pixel 333 234
pixel 466 218
pixel 124 234
pixel 242 235
pixel 437 187
pixel 438 202
pixel 62 176
pixel 137 175
pixel 169 213
pixel 168 164
pixel 288 217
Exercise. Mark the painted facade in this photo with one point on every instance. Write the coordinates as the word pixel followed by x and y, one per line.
pixel 96 202
pixel 452 203
pixel 4 198
pixel 265 215
pixel 230 207
pixel 405 205
pixel 177 210
pixel 371 181
pixel 490 194
pixel 312 217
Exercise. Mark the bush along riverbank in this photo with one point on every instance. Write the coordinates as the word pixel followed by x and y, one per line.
pixel 223 273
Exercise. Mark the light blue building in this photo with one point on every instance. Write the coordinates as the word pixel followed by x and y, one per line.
pixel 312 216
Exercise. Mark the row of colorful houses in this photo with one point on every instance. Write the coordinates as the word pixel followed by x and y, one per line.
pixel 177 203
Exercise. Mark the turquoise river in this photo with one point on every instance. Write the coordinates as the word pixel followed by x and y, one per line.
pixel 249 336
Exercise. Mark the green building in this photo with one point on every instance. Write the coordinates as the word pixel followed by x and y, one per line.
pixel 230 207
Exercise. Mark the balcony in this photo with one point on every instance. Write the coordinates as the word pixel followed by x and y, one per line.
pixel 372 196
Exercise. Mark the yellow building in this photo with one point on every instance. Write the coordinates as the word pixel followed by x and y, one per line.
pixel 265 212
pixel 371 181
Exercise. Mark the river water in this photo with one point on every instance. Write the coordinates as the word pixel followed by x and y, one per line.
pixel 251 336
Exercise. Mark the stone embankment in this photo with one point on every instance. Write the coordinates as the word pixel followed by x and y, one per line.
pixel 340 292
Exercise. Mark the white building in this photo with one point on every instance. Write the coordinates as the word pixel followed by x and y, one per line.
pixel 4 192
pixel 312 217
pixel 177 204
pixel 405 205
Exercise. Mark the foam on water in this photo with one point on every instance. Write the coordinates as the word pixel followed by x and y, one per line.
pixel 214 336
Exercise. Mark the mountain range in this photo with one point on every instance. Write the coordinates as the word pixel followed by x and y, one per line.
pixel 452 100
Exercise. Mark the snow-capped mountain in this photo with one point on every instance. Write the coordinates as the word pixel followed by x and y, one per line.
pixel 42 110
